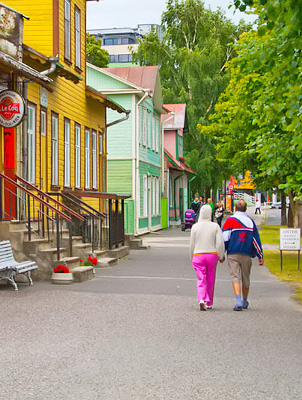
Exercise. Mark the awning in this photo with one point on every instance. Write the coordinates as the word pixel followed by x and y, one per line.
pixel 175 164
pixel 23 69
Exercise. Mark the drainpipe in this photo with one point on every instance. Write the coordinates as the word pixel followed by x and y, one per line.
pixel 136 202
pixel 127 112
pixel 53 65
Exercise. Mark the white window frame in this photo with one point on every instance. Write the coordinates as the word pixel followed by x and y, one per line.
pixel 94 160
pixel 154 196
pixel 87 158
pixel 101 144
pixel 77 155
pixel 31 127
pixel 54 150
pixel 144 126
pixel 145 196
pixel 149 127
pixel 77 36
pixel 153 132
pixel 157 137
pixel 67 29
pixel 66 152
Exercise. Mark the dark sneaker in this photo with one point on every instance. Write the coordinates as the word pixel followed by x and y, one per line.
pixel 202 306
pixel 237 308
pixel 245 305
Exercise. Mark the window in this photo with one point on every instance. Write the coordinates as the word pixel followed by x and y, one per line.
pixel 43 123
pixel 157 135
pixel 31 144
pixel 180 146
pixel 153 132
pixel 154 196
pixel 112 59
pixel 125 41
pixel 77 155
pixel 123 58
pixel 67 29
pixel 145 188
pixel 54 150
pixel 66 152
pixel 94 161
pixel 144 126
pixel 101 144
pixel 149 115
pixel 77 22
pixel 87 158
pixel 110 41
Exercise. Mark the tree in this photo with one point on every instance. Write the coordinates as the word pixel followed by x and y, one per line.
pixel 265 83
pixel 95 54
pixel 197 44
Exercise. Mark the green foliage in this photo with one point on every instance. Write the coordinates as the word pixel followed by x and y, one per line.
pixel 95 54
pixel 197 44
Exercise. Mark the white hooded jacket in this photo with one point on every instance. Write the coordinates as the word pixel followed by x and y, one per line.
pixel 206 236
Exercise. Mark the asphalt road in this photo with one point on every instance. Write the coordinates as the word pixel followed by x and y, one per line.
pixel 135 332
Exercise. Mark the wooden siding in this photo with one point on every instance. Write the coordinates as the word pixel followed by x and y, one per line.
pixel 38 31
pixel 144 170
pixel 119 176
pixel 119 136
pixel 100 81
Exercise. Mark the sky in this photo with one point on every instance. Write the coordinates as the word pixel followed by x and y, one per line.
pixel 130 13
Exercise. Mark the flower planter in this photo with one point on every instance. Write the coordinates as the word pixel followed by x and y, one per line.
pixel 60 278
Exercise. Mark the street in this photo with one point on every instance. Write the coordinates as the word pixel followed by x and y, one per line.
pixel 136 332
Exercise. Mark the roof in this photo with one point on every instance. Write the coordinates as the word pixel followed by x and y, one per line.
pixel 23 69
pixel 175 164
pixel 144 77
pixel 178 119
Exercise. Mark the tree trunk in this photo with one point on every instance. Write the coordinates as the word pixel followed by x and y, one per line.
pixel 294 223
pixel 283 209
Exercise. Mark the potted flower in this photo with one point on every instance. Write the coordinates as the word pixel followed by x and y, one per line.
pixel 91 261
pixel 61 275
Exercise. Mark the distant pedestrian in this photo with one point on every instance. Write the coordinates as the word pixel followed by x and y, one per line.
pixel 210 203
pixel 257 206
pixel 206 248
pixel 201 201
pixel 195 206
pixel 219 210
pixel 242 243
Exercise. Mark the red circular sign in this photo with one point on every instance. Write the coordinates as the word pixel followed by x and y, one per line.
pixel 11 108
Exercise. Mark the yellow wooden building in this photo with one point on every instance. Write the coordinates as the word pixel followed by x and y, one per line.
pixel 66 120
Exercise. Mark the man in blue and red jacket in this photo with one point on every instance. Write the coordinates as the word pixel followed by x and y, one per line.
pixel 242 243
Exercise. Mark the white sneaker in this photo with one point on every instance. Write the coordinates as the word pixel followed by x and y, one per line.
pixel 209 307
pixel 202 305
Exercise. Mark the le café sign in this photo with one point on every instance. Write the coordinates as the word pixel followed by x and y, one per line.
pixel 11 108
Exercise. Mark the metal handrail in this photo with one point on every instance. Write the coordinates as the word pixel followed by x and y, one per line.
pixel 47 196
pixel 79 203
pixel 28 192
pixel 77 199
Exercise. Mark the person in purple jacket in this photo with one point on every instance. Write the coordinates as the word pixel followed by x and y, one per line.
pixel 242 243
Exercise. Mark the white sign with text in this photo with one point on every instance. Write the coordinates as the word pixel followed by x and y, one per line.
pixel 290 239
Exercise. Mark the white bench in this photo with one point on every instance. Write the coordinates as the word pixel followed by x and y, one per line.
pixel 9 267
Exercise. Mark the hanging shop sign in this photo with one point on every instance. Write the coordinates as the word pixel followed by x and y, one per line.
pixel 11 108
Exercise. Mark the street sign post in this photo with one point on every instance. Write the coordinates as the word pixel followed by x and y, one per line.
pixel 290 240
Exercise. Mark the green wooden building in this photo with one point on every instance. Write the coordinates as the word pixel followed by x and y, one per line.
pixel 134 146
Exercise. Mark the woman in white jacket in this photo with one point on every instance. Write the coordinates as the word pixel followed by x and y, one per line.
pixel 206 248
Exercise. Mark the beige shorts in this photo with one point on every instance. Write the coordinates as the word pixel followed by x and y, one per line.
pixel 240 268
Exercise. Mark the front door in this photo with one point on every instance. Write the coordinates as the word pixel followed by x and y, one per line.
pixel 9 170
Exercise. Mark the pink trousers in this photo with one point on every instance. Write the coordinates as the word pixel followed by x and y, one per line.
pixel 205 268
